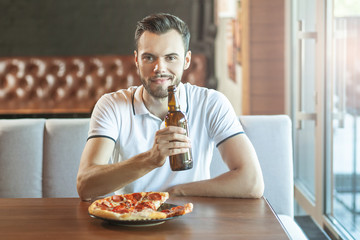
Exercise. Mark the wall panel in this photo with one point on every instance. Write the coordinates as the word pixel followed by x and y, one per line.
pixel 264 76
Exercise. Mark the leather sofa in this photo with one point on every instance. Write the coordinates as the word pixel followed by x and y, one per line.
pixel 40 158
pixel 73 84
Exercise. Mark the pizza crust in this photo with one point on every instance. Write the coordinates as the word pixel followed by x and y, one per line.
pixel 146 214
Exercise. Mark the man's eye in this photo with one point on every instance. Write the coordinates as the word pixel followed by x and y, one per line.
pixel 171 58
pixel 148 58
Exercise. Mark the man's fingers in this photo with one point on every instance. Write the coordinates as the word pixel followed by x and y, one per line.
pixel 172 138
pixel 179 145
pixel 171 134
pixel 177 151
pixel 171 141
pixel 172 129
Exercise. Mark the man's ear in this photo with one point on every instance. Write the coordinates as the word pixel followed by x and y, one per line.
pixel 187 60
pixel 136 59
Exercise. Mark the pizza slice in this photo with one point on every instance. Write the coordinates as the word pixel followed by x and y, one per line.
pixel 178 210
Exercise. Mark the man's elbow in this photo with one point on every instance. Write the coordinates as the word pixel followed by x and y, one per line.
pixel 257 190
pixel 81 189
pixel 251 182
pixel 255 187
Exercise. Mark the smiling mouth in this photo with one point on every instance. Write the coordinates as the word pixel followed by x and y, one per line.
pixel 161 78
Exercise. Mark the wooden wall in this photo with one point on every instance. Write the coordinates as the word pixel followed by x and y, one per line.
pixel 263 56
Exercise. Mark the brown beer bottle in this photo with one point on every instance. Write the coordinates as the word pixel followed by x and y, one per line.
pixel 175 117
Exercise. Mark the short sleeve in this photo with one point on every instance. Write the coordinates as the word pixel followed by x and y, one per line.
pixel 103 121
pixel 221 118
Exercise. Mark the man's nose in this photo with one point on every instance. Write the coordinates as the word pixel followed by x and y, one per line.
pixel 160 66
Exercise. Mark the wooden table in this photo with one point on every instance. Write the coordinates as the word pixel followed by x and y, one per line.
pixel 67 218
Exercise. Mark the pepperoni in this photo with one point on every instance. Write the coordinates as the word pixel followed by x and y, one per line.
pixel 133 198
pixel 145 205
pixel 178 208
pixel 118 208
pixel 154 196
pixel 117 198
pixel 105 204
pixel 137 196
pixel 123 208
pixel 129 197
pixel 175 211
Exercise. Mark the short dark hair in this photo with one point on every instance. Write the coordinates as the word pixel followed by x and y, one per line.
pixel 162 23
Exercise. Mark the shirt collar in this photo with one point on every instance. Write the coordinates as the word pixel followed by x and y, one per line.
pixel 139 105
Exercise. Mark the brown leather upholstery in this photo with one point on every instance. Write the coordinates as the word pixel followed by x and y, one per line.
pixel 71 84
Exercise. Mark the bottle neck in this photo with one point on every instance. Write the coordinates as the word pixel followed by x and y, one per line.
pixel 173 102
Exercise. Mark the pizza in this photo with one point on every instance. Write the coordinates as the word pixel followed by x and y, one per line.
pixel 136 206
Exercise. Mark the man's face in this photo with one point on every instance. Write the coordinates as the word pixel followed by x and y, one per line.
pixel 161 61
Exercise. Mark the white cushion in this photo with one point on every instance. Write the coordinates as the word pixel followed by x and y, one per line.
pixel 21 152
pixel 64 141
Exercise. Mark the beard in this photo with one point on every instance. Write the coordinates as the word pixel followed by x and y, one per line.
pixel 160 91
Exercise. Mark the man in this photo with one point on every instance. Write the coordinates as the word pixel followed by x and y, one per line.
pixel 127 128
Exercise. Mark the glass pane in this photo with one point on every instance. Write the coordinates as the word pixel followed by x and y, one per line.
pixel 308 80
pixel 305 151
pixel 344 206
pixel 305 155
pixel 305 136
pixel 306 11
pixel 346 173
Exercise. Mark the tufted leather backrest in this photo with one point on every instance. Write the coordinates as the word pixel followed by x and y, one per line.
pixel 71 84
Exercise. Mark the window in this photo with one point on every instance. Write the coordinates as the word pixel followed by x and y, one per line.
pixel 343 202
pixel 325 100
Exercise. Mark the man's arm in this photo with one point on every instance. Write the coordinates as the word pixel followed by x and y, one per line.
pixel 243 180
pixel 96 177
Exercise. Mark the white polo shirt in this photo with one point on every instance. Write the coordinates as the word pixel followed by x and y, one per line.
pixel 123 117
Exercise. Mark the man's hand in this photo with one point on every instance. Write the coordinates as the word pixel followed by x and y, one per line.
pixel 169 141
